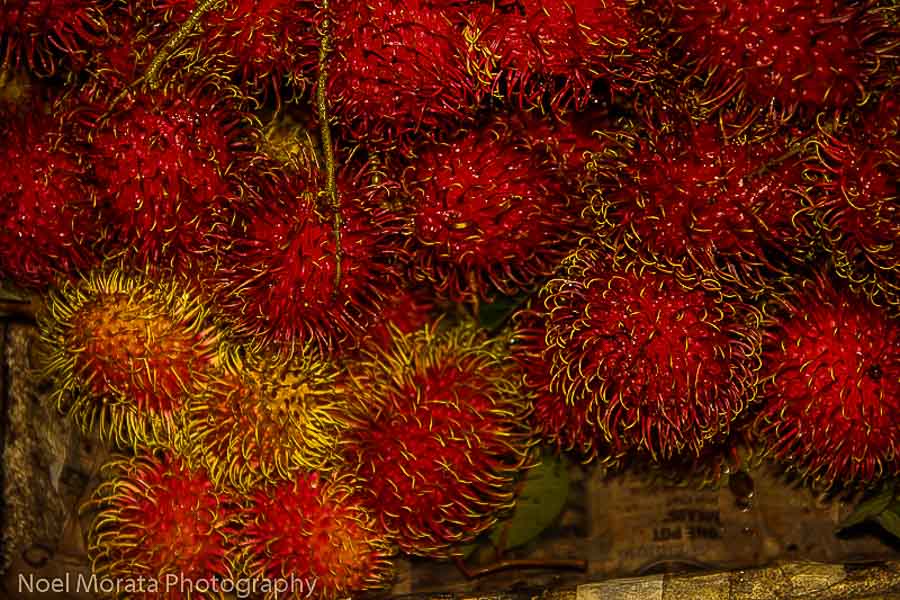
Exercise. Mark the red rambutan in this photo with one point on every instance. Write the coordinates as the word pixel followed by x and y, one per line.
pixel 266 418
pixel 48 229
pixel 486 215
pixel 706 206
pixel 397 68
pixel 316 530
pixel 127 352
pixel 439 436
pixel 278 278
pixel 832 393
pixel 160 527
pixel 267 43
pixel 35 33
pixel 667 366
pixel 858 201
pixel 169 163
pixel 798 52
pixel 555 50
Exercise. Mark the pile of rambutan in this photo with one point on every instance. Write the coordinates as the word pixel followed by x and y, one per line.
pixel 327 275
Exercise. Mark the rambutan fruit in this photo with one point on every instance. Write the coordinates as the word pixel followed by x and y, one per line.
pixel 266 43
pixel 126 353
pixel 36 33
pixel 278 278
pixel 161 528
pixel 858 200
pixel 486 215
pixel 48 227
pixel 688 198
pixel 832 395
pixel 439 435
pixel 398 68
pixel 314 529
pixel 551 52
pixel 800 53
pixel 567 427
pixel 169 162
pixel 265 418
pixel 666 365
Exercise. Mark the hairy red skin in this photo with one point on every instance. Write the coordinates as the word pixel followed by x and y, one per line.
pixel 669 366
pixel 833 385
pixel 439 437
pixel 807 53
pixel 486 215
pixel 158 518
pixel 858 187
pixel 398 68
pixel 568 427
pixel 554 50
pixel 169 163
pixel 277 278
pixel 694 202
pixel 36 33
pixel 266 42
pixel 48 230
pixel 315 528
pixel 569 145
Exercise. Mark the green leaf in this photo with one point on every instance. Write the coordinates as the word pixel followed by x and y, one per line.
pixel 492 316
pixel 541 500
pixel 870 508
pixel 890 519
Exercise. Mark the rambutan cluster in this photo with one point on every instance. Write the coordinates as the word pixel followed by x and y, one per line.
pixel 799 53
pixel 465 227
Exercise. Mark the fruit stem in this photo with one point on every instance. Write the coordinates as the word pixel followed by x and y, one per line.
pixel 151 77
pixel 505 565
pixel 327 145
pixel 186 29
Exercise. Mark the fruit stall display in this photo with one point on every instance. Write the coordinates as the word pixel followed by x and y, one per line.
pixel 331 279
